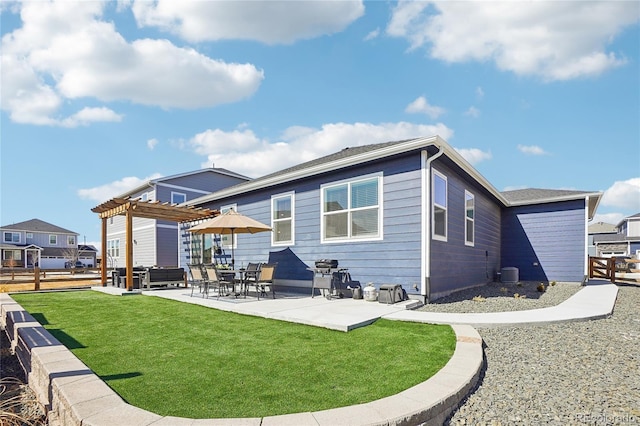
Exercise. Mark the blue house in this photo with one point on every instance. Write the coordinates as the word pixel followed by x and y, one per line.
pixel 410 212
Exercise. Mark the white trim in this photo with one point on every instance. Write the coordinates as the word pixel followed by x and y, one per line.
pixel 468 243
pixel 380 207
pixel 425 289
pixel 182 188
pixel 292 197
pixel 53 235
pixel 435 236
pixel 586 237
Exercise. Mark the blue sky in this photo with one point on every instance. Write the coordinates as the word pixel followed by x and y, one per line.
pixel 99 97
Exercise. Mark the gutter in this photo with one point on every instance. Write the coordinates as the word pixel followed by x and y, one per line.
pixel 425 289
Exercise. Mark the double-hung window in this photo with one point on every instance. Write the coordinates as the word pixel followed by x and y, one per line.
pixel 11 237
pixel 352 210
pixel 71 240
pixel 282 213
pixel 113 248
pixel 439 211
pixel 53 240
pixel 469 218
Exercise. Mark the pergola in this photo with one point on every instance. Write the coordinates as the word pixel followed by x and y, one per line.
pixel 135 207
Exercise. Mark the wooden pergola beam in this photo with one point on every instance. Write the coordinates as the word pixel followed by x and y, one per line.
pixel 135 207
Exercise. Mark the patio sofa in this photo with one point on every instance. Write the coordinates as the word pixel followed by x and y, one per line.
pixel 148 277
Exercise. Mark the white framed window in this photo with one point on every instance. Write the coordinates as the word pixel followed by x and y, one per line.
pixel 29 235
pixel 469 218
pixel 12 255
pixel 439 204
pixel 282 219
pixel 225 239
pixel 113 247
pixel 11 237
pixel 53 240
pixel 71 240
pixel 178 197
pixel 352 210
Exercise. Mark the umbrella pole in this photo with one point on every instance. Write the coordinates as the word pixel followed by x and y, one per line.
pixel 233 259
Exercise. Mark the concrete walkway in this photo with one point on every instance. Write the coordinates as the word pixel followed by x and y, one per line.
pixel 596 300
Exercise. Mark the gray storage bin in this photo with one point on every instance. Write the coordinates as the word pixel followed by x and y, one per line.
pixel 390 293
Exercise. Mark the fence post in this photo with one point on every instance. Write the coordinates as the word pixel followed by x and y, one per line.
pixel 612 269
pixel 36 274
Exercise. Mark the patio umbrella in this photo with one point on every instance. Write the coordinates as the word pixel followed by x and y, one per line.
pixel 230 222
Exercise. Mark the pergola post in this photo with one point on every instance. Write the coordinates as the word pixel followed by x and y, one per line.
pixel 129 250
pixel 103 264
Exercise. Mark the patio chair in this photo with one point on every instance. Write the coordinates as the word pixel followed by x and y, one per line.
pixel 198 279
pixel 215 280
pixel 251 275
pixel 265 278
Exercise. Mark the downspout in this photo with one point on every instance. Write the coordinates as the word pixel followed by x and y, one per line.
pixel 425 289
pixel 586 241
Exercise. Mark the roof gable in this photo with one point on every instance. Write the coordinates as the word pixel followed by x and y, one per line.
pixel 37 225
pixel 154 182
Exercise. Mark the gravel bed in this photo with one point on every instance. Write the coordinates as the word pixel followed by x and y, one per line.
pixel 579 373
pixel 499 297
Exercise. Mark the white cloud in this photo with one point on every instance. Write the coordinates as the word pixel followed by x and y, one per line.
pixel 474 155
pixel 479 93
pixel 554 40
pixel 86 116
pixel 472 112
pixel 372 35
pixel 270 22
pixel 65 51
pixel 107 191
pixel 422 106
pixel 151 143
pixel 623 194
pixel 531 150
pixel 238 150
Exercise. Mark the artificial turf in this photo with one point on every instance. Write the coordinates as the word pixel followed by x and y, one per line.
pixel 185 360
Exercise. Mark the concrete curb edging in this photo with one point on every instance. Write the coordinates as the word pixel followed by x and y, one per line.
pixel 74 395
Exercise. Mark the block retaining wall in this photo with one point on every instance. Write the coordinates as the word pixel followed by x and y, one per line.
pixel 74 395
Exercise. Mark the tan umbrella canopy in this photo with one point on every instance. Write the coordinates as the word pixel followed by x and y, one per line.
pixel 230 222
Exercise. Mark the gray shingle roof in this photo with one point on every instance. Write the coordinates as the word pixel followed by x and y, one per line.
pixel 37 225
pixel 537 194
pixel 344 153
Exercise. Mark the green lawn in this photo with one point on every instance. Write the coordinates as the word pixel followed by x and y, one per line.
pixel 184 360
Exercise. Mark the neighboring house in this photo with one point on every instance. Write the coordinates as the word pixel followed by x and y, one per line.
pixel 625 242
pixel 38 243
pixel 411 212
pixel 156 241
pixel 596 229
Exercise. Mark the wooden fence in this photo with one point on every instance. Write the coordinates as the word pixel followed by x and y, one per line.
pixel 602 267
pixel 614 269
pixel 23 279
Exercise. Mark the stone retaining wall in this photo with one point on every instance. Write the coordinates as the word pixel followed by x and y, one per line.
pixel 74 395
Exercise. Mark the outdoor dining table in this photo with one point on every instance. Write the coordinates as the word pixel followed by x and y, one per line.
pixel 235 276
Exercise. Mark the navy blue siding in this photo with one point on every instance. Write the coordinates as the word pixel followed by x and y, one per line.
pixel 454 265
pixel 551 235
pixel 395 259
